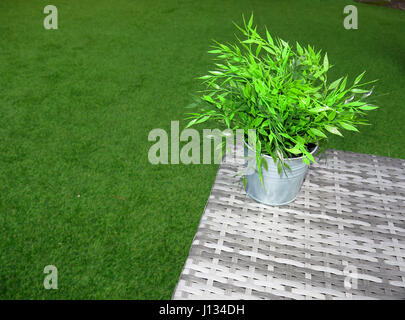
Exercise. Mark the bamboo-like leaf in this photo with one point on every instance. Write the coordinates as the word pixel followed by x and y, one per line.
pixel 208 98
pixel 356 90
pixel 334 84
pixel 269 38
pixel 294 150
pixel 318 132
pixel 216 73
pixel 192 122
pixel 299 49
pixel 325 62
pixel 265 164
pixel 319 109
pixel 348 126
pixel 215 51
pixel 333 129
pixel 368 107
pixel 203 119
pixel 269 50
pixel 259 47
pixel 332 115
pixel 250 23
pixel 359 77
pixel 244 180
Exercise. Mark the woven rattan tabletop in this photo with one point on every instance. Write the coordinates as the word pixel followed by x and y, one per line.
pixel 342 238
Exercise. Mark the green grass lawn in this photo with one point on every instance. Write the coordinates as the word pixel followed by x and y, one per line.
pixel 77 104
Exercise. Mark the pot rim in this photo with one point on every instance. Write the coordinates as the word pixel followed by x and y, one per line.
pixel 269 157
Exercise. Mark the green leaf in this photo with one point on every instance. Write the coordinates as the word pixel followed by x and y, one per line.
pixel 191 123
pixel 310 156
pixel 356 90
pixel 244 180
pixel 269 50
pixel 294 150
pixel 208 98
pixel 257 122
pixel 299 49
pixel 249 41
pixel 228 122
pixel 259 47
pixel 279 167
pixel 269 38
pixel 368 107
pixel 265 164
pixel 216 73
pixel 203 119
pixel 318 132
pixel 348 126
pixel 250 23
pixel 343 84
pixel 359 77
pixel 332 115
pixel 325 62
pixel 319 109
pixel 334 84
pixel 355 104
pixel 333 130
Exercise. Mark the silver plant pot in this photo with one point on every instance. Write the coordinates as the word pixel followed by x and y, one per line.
pixel 279 189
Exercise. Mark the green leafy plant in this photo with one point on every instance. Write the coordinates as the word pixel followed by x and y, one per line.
pixel 280 91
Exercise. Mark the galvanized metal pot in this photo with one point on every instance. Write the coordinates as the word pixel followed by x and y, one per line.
pixel 279 189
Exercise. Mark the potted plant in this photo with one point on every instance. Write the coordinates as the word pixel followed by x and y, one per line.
pixel 283 93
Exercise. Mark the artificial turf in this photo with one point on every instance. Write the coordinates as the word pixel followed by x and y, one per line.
pixel 77 105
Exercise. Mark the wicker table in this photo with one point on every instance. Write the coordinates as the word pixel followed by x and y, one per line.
pixel 342 238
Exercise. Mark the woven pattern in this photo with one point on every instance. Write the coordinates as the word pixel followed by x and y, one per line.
pixel 342 238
